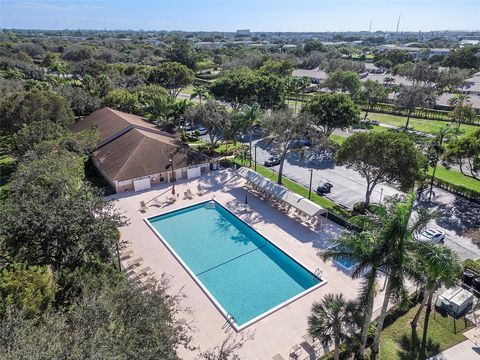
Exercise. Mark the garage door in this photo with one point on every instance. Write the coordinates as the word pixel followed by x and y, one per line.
pixel 142 184
pixel 193 173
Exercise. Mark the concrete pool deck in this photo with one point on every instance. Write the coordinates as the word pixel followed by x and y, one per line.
pixel 277 332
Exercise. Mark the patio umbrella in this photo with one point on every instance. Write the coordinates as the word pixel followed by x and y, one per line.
pixel 173 190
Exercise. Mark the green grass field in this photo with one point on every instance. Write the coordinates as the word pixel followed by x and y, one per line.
pixel 396 341
pixel 456 178
pixel 427 126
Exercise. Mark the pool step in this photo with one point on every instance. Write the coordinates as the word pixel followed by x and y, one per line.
pixel 210 205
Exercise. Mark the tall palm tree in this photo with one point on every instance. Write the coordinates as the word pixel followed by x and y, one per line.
pixel 397 229
pixel 249 116
pixel 439 266
pixel 367 251
pixel 331 321
pixel 199 91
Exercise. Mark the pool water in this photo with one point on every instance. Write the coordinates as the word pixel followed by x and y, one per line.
pixel 245 273
pixel 344 262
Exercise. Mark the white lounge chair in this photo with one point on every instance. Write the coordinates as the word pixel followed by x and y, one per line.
pixel 189 194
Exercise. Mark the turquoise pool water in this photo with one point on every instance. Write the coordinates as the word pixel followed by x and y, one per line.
pixel 245 273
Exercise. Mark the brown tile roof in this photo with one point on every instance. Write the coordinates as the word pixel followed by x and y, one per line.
pixel 138 153
pixel 110 122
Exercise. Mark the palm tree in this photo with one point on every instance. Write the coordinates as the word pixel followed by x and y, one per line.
pixel 249 116
pixel 331 321
pixel 366 250
pixel 242 154
pixel 397 229
pixel 439 266
pixel 200 91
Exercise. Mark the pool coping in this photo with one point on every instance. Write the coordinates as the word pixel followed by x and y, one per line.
pixel 229 318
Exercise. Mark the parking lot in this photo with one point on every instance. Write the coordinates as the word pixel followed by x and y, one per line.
pixel 455 214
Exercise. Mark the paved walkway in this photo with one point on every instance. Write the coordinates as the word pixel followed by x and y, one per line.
pixel 466 350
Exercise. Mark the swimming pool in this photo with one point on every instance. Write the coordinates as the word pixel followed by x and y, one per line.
pixel 246 276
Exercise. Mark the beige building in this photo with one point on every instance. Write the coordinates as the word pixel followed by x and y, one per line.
pixel 133 154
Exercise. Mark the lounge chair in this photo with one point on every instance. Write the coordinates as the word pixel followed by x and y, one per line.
pixel 157 202
pixel 200 191
pixel 126 255
pixel 143 207
pixel 295 351
pixel 189 194
pixel 278 357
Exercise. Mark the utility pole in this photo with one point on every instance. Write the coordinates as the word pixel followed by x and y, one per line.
pixel 310 187
pixel 398 25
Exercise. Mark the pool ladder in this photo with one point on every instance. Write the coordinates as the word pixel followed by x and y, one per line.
pixel 231 319
pixel 318 273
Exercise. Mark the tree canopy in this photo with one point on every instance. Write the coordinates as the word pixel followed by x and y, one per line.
pixel 173 76
pixel 331 111
pixel 379 157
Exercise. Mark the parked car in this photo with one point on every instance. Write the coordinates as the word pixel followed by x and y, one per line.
pixel 371 122
pixel 299 143
pixel 187 127
pixel 433 236
pixel 202 130
pixel 324 187
pixel 272 161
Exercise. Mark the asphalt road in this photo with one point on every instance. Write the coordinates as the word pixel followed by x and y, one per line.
pixel 455 214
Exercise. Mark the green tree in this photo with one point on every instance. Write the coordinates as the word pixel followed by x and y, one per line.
pixel 25 107
pixel 331 321
pixel 398 161
pixel 243 154
pixel 282 128
pixel 397 228
pixel 370 94
pixel 51 216
pixel 212 117
pixel 345 81
pixel 463 113
pixel 180 51
pixel 173 76
pixel 277 67
pixel 435 151
pixel 438 266
pixel 366 250
pixel 249 116
pixel 465 58
pixel 411 97
pixel 34 133
pixel 236 87
pixel 199 91
pixel 465 150
pixel 29 289
pixel 331 111
pixel 122 100
pixel 111 321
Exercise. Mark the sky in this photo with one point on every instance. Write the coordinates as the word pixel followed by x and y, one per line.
pixel 229 15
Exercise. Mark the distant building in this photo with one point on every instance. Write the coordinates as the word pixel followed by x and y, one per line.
pixel 132 153
pixel 416 52
pixel 244 32
pixel 316 76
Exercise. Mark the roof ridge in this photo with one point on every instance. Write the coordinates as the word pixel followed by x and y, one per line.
pixel 132 152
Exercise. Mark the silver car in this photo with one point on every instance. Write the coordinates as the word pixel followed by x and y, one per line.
pixel 433 236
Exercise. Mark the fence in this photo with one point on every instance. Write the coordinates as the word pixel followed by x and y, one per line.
pixel 467 193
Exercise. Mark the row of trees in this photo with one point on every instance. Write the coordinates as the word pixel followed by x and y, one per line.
pixel 387 247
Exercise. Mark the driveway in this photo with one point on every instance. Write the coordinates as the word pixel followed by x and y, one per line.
pixel 455 214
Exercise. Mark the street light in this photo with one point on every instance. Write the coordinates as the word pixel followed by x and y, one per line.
pixel 255 146
pixel 310 187
pixel 381 195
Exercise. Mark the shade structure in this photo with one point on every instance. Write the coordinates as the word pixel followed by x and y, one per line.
pixel 299 202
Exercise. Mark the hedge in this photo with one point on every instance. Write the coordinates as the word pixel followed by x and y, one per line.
pixel 429 114
pixel 470 194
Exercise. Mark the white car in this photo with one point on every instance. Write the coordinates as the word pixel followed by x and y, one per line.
pixel 202 130
pixel 432 236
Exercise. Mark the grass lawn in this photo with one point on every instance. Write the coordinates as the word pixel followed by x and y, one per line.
pixel 188 90
pixel 456 178
pixel 396 341
pixel 427 126
pixel 301 190
pixel 7 167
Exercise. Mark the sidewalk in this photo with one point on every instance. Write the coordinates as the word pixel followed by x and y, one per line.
pixel 467 350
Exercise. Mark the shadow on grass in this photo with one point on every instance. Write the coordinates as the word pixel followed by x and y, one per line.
pixel 411 348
